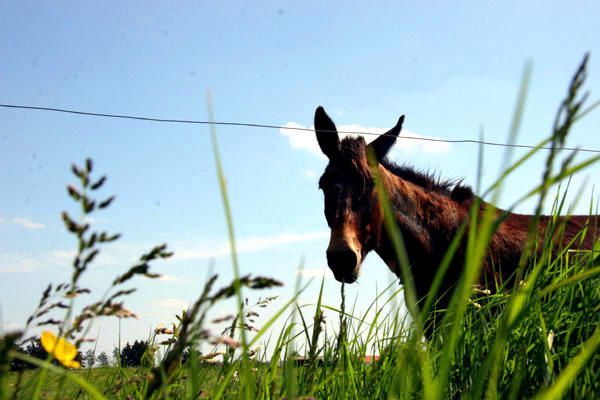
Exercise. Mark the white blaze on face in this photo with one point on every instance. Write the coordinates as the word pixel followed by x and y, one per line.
pixel 342 240
pixel 344 253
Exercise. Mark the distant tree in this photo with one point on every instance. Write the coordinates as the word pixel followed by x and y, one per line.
pixel 116 356
pixel 19 365
pixel 79 357
pixel 34 349
pixel 132 355
pixel 89 358
pixel 185 356
pixel 102 359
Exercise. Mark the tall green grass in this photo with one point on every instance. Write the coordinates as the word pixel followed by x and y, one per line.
pixel 538 339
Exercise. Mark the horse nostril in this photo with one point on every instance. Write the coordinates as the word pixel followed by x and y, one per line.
pixel 342 264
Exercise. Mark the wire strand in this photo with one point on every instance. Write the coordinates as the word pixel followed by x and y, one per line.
pixel 255 125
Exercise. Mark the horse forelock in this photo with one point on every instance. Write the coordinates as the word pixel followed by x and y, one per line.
pixel 353 154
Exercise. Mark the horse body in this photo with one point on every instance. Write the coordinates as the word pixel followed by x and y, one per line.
pixel 428 211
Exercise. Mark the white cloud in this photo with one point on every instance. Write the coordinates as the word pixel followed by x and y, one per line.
pixel 27 223
pixel 169 278
pixel 317 273
pixel 19 262
pixel 10 326
pixel 13 263
pixel 190 251
pixel 118 254
pixel 408 142
pixel 123 254
pixel 309 173
pixel 64 257
pixel 172 304
pixel 302 140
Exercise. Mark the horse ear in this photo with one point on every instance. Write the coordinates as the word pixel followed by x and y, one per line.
pixel 327 135
pixel 383 143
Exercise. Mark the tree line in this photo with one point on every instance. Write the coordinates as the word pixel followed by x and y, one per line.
pixel 130 355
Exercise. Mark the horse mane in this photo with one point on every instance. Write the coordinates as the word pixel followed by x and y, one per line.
pixel 354 148
pixel 452 188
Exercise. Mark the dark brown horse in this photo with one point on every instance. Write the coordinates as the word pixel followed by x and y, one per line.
pixel 428 211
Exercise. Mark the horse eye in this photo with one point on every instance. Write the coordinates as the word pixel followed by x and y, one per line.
pixel 338 188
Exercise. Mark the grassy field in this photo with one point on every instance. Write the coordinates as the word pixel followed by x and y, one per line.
pixel 111 382
pixel 538 338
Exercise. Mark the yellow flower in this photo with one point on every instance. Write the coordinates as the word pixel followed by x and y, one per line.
pixel 60 349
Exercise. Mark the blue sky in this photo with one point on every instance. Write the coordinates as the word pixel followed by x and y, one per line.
pixel 453 69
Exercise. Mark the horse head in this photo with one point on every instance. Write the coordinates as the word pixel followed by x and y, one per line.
pixel 351 208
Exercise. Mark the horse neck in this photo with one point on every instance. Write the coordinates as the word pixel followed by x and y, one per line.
pixel 427 220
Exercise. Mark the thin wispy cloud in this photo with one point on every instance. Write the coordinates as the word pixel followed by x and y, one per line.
pixel 169 278
pixel 302 140
pixel 21 262
pixel 309 173
pixel 10 326
pixel 26 223
pixel 316 273
pixel 172 304
pixel 191 251
pixel 11 263
pixel 407 143
pixel 124 254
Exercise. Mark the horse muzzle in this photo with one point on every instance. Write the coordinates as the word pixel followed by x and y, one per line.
pixel 345 264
